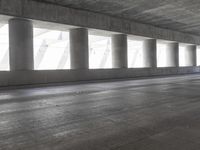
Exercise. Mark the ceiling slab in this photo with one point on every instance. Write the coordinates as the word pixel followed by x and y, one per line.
pixel 180 15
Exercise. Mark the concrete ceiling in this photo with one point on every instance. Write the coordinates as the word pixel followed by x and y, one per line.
pixel 181 15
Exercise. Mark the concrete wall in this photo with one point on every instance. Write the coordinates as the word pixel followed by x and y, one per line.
pixel 60 76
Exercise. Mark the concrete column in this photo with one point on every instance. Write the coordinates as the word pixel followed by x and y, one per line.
pixel 190 55
pixel 149 53
pixel 172 54
pixel 79 48
pixel 119 51
pixel 21 44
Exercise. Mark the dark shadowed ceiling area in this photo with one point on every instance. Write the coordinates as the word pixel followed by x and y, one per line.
pixel 181 15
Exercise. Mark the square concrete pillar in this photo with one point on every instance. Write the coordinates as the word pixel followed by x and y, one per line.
pixel 21 44
pixel 119 51
pixel 172 54
pixel 149 53
pixel 190 55
pixel 79 48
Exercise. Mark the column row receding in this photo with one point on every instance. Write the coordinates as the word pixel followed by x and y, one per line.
pixel 21 48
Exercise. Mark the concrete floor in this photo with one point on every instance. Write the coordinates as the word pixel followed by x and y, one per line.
pixel 147 114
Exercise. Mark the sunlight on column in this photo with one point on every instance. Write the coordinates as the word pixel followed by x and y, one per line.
pixel 182 55
pixel 4 44
pixel 135 54
pixel 100 52
pixel 198 56
pixel 51 49
pixel 161 55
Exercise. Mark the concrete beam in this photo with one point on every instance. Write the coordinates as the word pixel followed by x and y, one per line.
pixel 63 15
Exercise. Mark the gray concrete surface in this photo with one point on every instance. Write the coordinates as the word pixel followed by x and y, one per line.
pixel 148 114
pixel 79 55
pixel 150 53
pixel 21 44
pixel 190 55
pixel 119 51
pixel 59 76
pixel 180 15
pixel 172 54
pixel 58 14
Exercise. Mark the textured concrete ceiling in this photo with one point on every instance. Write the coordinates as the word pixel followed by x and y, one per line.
pixel 181 15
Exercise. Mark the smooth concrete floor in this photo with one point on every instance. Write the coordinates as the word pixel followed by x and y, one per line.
pixel 146 114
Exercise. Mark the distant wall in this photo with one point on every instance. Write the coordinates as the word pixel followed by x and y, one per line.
pixel 59 76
